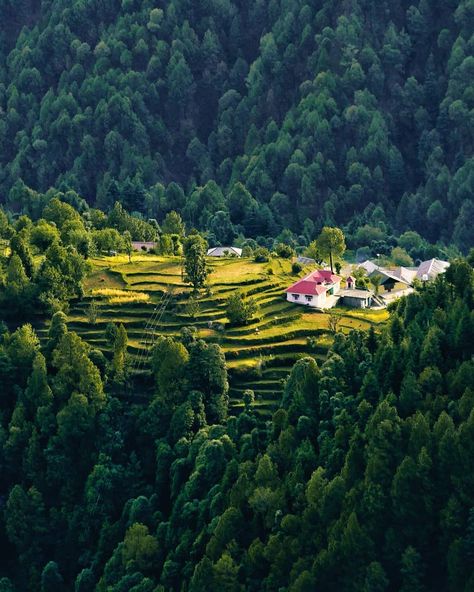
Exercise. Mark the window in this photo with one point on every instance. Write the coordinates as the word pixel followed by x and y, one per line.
pixel 296 296
pixel 308 298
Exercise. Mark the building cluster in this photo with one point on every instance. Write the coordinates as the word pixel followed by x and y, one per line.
pixel 322 289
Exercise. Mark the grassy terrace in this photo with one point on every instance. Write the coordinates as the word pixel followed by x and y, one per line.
pixel 259 355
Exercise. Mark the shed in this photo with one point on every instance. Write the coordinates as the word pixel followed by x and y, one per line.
pixel 306 260
pixel 357 298
pixel 143 245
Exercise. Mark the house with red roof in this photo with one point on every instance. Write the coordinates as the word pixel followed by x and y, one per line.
pixel 319 289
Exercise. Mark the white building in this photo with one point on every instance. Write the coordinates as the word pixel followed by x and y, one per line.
pixel 224 252
pixel 319 289
pixel 428 270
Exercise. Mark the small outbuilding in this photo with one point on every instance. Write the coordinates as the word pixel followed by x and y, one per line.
pixel 356 298
pixel 224 252
pixel 144 246
pixel 306 260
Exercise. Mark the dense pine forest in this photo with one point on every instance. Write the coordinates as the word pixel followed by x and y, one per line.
pixel 362 480
pixel 276 114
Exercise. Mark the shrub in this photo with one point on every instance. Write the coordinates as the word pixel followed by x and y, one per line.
pixel 284 251
pixel 261 255
pixel 296 268
pixel 363 253
pixel 192 307
pixel 401 257
pixel 248 398
pixel 92 312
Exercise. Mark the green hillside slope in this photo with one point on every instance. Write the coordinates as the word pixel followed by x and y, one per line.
pixel 259 356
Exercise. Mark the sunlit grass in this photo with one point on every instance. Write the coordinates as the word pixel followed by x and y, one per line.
pixel 270 343
pixel 114 296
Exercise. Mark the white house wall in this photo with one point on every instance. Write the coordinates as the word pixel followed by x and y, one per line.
pixel 316 302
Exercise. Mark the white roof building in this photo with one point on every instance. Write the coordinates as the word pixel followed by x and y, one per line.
pixel 368 266
pixel 306 260
pixel 224 252
pixel 428 270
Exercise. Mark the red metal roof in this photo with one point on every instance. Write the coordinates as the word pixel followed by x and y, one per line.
pixel 308 287
pixel 324 275
pixel 317 282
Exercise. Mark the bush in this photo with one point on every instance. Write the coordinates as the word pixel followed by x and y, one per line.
pixel 248 398
pixel 249 372
pixel 261 255
pixel 400 257
pixel 363 253
pixel 284 251
pixel 296 268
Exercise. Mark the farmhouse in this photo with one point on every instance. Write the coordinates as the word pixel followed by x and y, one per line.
pixel 401 278
pixel 391 280
pixel 224 252
pixel 429 270
pixel 143 245
pixel 319 289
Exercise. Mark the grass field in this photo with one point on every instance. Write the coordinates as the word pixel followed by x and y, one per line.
pixel 259 355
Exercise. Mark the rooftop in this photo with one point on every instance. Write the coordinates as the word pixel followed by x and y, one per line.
pixel 317 282
pixel 230 250
pixel 431 268
pixel 355 293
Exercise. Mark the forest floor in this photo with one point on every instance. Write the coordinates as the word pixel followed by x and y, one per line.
pixel 259 355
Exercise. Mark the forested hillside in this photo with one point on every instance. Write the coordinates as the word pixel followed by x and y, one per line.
pixel 362 481
pixel 280 114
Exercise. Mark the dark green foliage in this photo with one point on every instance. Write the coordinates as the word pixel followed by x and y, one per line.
pixel 284 250
pixel 19 247
pixel 261 255
pixel 296 268
pixel 361 481
pixel 245 117
pixel 195 248
pixel 51 579
pixel 251 119
pixel 240 310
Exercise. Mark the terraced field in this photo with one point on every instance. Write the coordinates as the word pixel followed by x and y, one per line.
pixel 259 355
